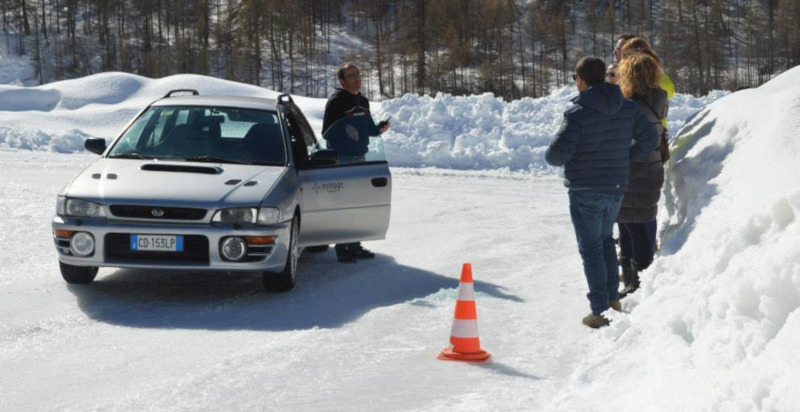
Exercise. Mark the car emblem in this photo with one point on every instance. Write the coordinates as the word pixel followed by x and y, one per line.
pixel 157 212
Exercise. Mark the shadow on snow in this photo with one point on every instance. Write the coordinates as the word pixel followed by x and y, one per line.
pixel 327 295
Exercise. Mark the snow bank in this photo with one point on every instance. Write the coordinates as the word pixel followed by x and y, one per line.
pixel 470 132
pixel 717 324
pixel 100 105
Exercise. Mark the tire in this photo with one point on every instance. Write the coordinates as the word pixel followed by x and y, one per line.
pixel 80 275
pixel 318 249
pixel 284 280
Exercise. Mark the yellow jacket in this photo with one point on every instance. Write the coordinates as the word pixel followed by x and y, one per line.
pixel 669 87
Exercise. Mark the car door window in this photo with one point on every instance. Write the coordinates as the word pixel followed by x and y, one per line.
pixel 375 152
pixel 301 135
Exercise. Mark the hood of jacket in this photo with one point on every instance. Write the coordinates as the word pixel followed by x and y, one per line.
pixel 605 98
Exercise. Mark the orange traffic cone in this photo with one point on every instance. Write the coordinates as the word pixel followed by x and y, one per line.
pixel 464 342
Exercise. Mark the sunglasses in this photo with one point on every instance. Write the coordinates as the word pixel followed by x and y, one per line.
pixel 353 76
pixel 611 74
pixel 574 77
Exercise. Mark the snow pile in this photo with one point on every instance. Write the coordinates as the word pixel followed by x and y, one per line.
pixel 484 132
pixel 717 324
pixel 100 105
pixel 470 132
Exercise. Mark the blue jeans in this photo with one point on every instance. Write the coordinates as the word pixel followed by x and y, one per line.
pixel 593 214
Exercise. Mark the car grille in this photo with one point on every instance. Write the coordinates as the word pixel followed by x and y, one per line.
pixel 147 212
pixel 195 251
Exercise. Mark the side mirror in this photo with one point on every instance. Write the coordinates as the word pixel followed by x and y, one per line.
pixel 327 157
pixel 97 146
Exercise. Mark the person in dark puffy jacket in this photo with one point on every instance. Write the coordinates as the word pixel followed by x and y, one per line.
pixel 639 80
pixel 594 146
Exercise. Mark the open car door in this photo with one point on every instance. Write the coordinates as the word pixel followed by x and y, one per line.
pixel 349 199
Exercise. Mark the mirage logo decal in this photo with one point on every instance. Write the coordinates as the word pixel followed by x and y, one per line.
pixel 330 187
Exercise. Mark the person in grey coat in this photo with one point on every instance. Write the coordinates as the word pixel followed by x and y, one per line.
pixel 639 77
pixel 594 146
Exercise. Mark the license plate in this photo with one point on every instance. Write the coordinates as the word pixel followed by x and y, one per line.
pixel 159 243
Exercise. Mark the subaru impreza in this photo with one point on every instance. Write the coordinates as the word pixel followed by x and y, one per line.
pixel 217 183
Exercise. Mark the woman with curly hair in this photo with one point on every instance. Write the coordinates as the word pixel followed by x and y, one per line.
pixel 638 77
pixel 636 45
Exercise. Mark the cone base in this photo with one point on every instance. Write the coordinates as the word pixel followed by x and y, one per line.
pixel 448 354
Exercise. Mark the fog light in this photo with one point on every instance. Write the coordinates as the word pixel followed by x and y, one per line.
pixel 81 244
pixel 233 248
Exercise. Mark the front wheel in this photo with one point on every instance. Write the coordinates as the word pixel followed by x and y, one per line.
pixel 284 280
pixel 77 274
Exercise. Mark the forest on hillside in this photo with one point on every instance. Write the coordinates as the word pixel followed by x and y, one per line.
pixel 513 48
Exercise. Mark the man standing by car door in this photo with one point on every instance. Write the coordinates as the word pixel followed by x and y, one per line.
pixel 594 146
pixel 347 101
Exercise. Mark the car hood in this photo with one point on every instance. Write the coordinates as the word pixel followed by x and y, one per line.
pixel 131 181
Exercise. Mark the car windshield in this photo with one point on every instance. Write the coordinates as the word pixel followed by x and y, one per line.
pixel 204 134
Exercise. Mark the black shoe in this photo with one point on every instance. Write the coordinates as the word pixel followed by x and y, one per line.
pixel 361 253
pixel 630 278
pixel 345 257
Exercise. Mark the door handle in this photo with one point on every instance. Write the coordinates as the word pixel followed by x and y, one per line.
pixel 380 182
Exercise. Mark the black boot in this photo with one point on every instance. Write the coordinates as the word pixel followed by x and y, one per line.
pixel 630 278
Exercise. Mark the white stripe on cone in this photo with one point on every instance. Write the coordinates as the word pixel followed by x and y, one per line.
pixel 466 291
pixel 464 328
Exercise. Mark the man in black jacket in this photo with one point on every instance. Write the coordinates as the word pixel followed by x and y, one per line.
pixel 594 146
pixel 348 101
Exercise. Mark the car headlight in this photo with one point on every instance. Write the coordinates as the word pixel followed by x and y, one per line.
pixel 268 216
pixel 236 215
pixel 84 208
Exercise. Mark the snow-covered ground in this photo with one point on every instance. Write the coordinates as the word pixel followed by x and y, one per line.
pixel 714 328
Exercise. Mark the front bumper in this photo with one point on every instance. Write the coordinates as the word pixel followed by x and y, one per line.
pixel 204 236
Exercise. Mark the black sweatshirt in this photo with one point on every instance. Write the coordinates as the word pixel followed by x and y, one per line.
pixel 339 103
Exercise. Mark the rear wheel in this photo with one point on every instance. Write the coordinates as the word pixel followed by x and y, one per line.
pixel 77 274
pixel 317 249
pixel 284 280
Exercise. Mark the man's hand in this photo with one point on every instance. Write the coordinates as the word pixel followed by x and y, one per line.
pixel 384 125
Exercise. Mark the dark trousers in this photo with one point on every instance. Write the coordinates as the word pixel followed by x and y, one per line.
pixel 637 243
pixel 349 247
pixel 593 214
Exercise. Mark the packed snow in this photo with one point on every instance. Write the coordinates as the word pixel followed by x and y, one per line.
pixel 444 131
pixel 715 326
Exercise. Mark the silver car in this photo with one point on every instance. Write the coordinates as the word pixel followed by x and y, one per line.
pixel 217 183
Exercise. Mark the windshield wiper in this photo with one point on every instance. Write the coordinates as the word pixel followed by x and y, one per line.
pixel 212 159
pixel 130 155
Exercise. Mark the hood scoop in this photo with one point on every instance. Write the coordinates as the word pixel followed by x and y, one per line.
pixel 182 169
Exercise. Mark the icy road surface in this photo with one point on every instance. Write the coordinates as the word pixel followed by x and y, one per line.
pixel 348 337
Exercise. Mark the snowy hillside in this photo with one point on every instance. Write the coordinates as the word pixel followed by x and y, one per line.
pixel 715 326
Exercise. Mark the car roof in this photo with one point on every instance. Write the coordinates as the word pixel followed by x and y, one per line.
pixel 259 103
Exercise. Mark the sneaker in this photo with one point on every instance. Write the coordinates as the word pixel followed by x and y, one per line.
pixel 361 253
pixel 345 257
pixel 616 305
pixel 595 321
